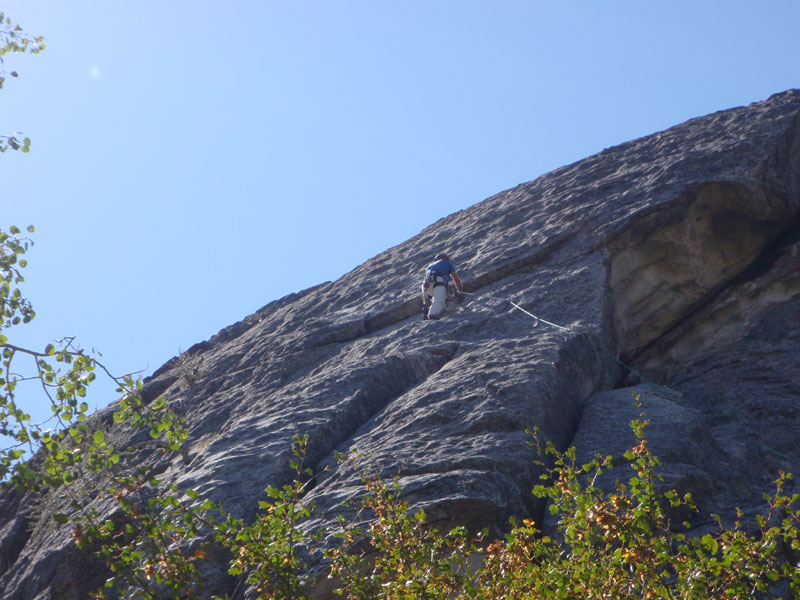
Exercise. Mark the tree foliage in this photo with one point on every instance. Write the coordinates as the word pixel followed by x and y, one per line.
pixel 268 553
pixel 75 464
pixel 14 40
pixel 397 554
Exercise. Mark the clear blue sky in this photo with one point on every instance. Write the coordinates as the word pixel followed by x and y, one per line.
pixel 194 160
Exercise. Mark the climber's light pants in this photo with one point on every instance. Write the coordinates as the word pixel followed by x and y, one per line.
pixel 439 301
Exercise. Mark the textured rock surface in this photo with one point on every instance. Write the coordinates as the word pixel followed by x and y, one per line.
pixel 678 252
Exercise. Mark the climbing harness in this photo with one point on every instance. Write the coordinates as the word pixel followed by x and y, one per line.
pixel 433 280
pixel 430 283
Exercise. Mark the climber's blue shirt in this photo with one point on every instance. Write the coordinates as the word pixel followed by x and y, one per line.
pixel 442 267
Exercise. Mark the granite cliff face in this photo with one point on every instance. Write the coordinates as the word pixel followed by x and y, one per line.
pixel 678 253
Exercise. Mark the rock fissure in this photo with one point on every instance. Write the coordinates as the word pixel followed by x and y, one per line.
pixel 766 259
pixel 763 262
pixel 662 280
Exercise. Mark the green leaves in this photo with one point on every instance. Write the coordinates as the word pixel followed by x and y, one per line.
pixel 410 558
pixel 14 308
pixel 61 518
pixel 14 40
pixel 77 463
pixel 12 141
pixel 709 544
pixel 269 549
pixel 622 544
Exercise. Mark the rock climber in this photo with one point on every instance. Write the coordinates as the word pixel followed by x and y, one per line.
pixel 434 288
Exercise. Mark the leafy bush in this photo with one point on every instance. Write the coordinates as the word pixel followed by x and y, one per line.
pixel 609 545
pixel 400 556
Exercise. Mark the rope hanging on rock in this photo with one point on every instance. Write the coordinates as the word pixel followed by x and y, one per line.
pixel 570 329
pixel 518 307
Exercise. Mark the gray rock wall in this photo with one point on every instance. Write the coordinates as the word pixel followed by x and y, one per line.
pixel 678 253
